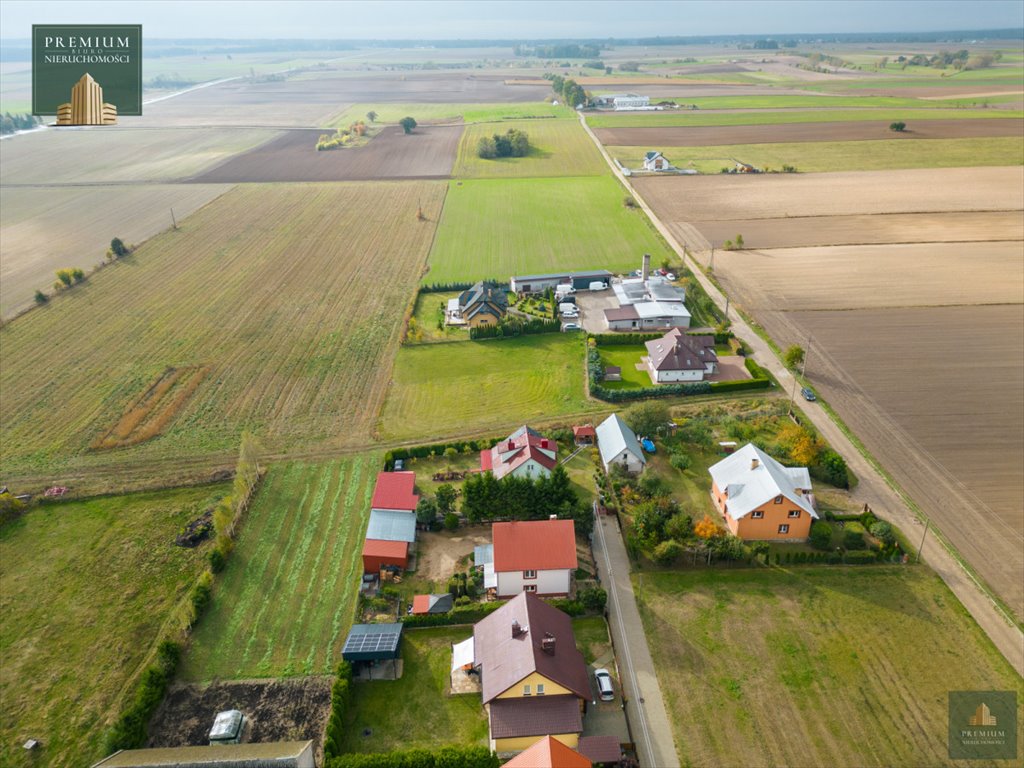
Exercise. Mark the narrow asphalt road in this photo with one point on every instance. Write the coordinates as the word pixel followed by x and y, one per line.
pixel 873 488
pixel 645 707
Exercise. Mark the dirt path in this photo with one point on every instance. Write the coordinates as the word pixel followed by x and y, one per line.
pixel 873 488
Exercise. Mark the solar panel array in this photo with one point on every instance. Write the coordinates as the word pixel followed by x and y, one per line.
pixel 373 642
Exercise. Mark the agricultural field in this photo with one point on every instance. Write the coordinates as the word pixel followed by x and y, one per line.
pixel 120 154
pixel 685 118
pixel 495 383
pixel 821 157
pixel 454 112
pixel 428 717
pixel 503 227
pixel 428 152
pixel 557 148
pixel 44 229
pixel 823 649
pixel 275 289
pixel 815 132
pixel 88 587
pixel 284 604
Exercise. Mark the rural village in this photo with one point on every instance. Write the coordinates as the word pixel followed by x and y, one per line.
pixel 631 404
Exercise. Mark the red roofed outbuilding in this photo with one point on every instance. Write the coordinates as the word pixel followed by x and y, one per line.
pixel 524 453
pixel 584 435
pixel 377 553
pixel 537 556
pixel 395 491
pixel 549 752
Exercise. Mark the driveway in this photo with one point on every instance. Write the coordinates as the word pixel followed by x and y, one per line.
pixel 592 305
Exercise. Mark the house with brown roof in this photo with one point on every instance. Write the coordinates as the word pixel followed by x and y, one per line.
pixel 533 678
pixel 537 556
pixel 484 304
pixel 549 753
pixel 678 356
pixel 524 453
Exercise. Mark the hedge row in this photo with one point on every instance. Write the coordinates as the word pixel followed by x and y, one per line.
pixel 341 698
pixel 856 557
pixel 456 286
pixel 460 614
pixel 625 339
pixel 438 449
pixel 445 757
pixel 129 732
pixel 754 369
pixel 663 390
pixel 508 329
pixel 737 386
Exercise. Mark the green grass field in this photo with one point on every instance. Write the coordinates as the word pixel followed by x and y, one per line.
pixel 557 148
pixel 814 157
pixel 814 666
pixel 426 312
pixel 285 601
pixel 787 101
pixel 449 390
pixel 504 227
pixel 87 588
pixel 591 637
pixel 416 710
pixel 467 113
pixel 626 356
pixel 687 118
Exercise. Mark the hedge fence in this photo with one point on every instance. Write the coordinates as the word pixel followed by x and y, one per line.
pixel 445 757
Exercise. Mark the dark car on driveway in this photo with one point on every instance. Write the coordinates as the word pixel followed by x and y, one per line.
pixel 809 395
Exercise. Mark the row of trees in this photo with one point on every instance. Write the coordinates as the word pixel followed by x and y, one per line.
pixel 512 143
pixel 484 497
pixel 342 137
pixel 569 90
pixel 559 51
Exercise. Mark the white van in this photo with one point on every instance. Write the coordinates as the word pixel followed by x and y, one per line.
pixel 598 285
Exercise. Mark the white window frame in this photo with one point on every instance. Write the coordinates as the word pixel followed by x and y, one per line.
pixel 757 514
pixel 784 528
pixel 529 588
pixel 529 574
pixel 540 689
pixel 526 690
pixel 794 514
pixel 778 499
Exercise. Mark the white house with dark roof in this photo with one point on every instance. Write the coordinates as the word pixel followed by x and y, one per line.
pixel 619 446
pixel 678 356
pixel 655 161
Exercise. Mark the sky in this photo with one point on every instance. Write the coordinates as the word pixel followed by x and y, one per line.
pixel 509 19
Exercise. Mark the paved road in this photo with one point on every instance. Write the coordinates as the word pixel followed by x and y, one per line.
pixel 645 706
pixel 873 488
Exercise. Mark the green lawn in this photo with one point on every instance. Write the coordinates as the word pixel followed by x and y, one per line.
pixel 787 101
pixel 468 113
pixel 816 157
pixel 691 488
pixel 688 118
pixel 426 314
pixel 416 710
pixel 504 227
pixel 581 467
pixel 442 390
pixel 814 666
pixel 88 586
pixel 591 637
pixel 626 356
pixel 557 148
pixel 286 599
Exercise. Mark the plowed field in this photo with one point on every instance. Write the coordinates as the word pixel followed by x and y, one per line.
pixel 428 152
pixel 791 132
pixel 278 289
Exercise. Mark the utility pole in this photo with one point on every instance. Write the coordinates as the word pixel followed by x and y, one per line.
pixel 927 524
pixel 803 364
pixel 174 222
pixel 711 265
pixel 792 396
pixel 726 307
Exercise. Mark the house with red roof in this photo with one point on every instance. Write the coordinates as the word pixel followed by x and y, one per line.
pixel 549 753
pixel 533 678
pixel 395 492
pixel 524 453
pixel 537 556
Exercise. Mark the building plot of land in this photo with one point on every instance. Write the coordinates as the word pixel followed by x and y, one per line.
pixel 44 229
pixel 87 587
pixel 799 132
pixel 557 148
pixel 741 197
pixel 846 667
pixel 284 603
pixel 121 154
pixel 428 152
pixel 275 289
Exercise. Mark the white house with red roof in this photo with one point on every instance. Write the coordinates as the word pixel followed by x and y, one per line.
pixel 524 453
pixel 537 556
pixel 395 492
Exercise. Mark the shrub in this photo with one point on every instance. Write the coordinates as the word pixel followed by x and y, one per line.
pixel 217 560
pixel 593 599
pixel 884 533
pixel 680 461
pixel 679 527
pixel 464 600
pixel 667 552
pixel 451 521
pixel 860 558
pixel 341 698
pixel 821 535
pixel 444 757
pixel 853 536
pixel 40 297
pixel 572 607
pixel 899 126
pixel 200 596
pixel 460 614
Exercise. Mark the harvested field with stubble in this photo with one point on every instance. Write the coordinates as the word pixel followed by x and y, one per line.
pixel 44 229
pixel 286 599
pixel 856 661
pixel 805 132
pixel 275 288
pixel 428 152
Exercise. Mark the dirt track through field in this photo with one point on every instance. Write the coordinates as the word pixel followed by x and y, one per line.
pixel 428 152
pixel 798 132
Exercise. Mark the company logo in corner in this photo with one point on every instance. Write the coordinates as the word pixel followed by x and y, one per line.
pixel 982 716
pixel 87 74
pixel 982 725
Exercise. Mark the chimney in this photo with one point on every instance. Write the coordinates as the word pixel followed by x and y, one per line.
pixel 517 630
pixel 548 644
pixel 544 443
pixel 646 271
pixel 754 463
pixel 511 445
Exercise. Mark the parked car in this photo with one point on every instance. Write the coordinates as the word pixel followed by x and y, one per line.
pixel 564 289
pixel 399 465
pixel 648 445
pixel 568 306
pixel 662 271
pixel 670 277
pixel 569 299
pixel 604 685
pixel 571 327
pixel 570 313
pixel 809 395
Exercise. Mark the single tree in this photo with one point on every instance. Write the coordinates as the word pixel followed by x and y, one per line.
pixel 65 277
pixel 899 126
pixel 794 356
pixel 118 247
pixel 371 116
pixel 445 497
pixel 706 528
pixel 426 512
pixel 77 275
pixel 407 123
pixel 486 148
pixel 41 298
pixel 739 241
pixel 646 417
